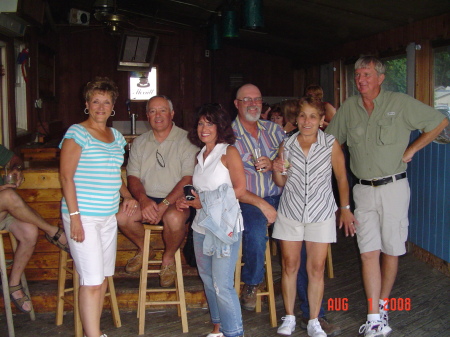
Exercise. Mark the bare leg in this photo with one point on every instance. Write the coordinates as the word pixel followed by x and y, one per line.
pixel 372 279
pixel 12 203
pixel 26 235
pixel 90 298
pixel 389 268
pixel 131 227
pixel 290 252
pixel 174 232
pixel 315 266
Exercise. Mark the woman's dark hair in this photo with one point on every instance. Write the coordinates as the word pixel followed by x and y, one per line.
pixel 217 115
pixel 103 85
pixel 290 109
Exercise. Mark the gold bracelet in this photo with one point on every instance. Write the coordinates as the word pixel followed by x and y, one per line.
pixel 166 202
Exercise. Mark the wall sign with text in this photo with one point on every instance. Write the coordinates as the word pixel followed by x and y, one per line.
pixel 143 85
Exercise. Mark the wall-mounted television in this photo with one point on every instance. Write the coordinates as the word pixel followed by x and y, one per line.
pixel 137 51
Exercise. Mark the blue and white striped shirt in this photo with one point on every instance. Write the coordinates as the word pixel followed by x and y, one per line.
pixel 308 194
pixel 98 174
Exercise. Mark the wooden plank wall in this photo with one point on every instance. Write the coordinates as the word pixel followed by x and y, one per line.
pixel 42 191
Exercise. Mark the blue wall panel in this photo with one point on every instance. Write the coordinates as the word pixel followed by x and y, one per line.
pixel 429 212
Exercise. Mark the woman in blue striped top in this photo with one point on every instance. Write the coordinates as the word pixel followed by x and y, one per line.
pixel 90 171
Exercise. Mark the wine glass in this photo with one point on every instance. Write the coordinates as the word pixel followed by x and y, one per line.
pixel 285 157
pixel 256 155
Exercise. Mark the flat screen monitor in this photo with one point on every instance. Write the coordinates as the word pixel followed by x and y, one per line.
pixel 137 51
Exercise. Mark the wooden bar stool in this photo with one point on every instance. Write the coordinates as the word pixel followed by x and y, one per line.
pixel 66 265
pixel 330 268
pixel 4 275
pixel 143 290
pixel 269 291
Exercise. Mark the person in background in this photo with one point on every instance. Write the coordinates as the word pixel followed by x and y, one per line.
pixel 252 132
pixel 265 111
pixel 276 115
pixel 90 173
pixel 289 109
pixel 307 209
pixel 23 222
pixel 161 162
pixel 219 165
pixel 376 125
pixel 316 92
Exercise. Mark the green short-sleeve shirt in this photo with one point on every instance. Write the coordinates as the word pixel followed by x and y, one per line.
pixel 377 143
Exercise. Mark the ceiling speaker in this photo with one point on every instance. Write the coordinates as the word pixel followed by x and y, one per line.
pixel 79 17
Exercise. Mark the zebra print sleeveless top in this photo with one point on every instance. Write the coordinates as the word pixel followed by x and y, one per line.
pixel 308 195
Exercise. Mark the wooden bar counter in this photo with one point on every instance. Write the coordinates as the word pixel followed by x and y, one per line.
pixel 42 191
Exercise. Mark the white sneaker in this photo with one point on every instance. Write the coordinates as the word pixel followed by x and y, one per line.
pixel 386 330
pixel 314 329
pixel 288 326
pixel 372 329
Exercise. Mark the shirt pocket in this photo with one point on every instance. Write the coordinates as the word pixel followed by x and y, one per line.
pixel 355 134
pixel 386 134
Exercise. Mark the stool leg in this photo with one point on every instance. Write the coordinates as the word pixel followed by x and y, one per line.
pixel 180 292
pixel 76 305
pixel 6 299
pixel 114 306
pixel 61 287
pixel 270 289
pixel 23 279
pixel 143 282
pixel 238 271
pixel 330 269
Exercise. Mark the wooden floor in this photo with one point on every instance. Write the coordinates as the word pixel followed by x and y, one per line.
pixel 427 290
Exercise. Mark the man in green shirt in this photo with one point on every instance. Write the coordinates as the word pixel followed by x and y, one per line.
pixel 376 126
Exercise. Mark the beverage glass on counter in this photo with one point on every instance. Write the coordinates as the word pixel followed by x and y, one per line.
pixel 9 177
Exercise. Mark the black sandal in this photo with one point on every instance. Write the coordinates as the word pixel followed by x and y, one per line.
pixel 55 240
pixel 19 302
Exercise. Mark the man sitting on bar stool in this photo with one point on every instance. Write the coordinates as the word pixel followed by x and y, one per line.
pixel 23 222
pixel 376 125
pixel 161 162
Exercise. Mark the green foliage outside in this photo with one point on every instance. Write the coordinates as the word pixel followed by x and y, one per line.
pixel 395 79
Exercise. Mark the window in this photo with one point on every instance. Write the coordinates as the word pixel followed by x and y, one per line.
pixel 395 79
pixel 143 85
pixel 21 88
pixel 442 78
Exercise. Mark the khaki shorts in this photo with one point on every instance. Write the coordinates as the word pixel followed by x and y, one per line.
pixel 6 222
pixel 291 230
pixel 382 213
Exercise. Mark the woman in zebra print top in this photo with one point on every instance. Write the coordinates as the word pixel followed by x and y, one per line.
pixel 307 209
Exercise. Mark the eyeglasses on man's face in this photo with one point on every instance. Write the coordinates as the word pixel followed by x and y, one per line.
pixel 249 100
pixel 160 159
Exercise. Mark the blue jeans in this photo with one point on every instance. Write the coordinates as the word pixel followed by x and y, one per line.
pixel 217 275
pixel 302 286
pixel 254 241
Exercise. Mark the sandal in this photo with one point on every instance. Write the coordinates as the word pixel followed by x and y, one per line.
pixel 19 302
pixel 55 240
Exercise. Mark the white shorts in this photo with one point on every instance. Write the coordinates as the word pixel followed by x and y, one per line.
pixel 95 257
pixel 382 213
pixel 291 230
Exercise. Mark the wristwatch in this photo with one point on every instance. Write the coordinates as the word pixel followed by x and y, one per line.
pixel 166 202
